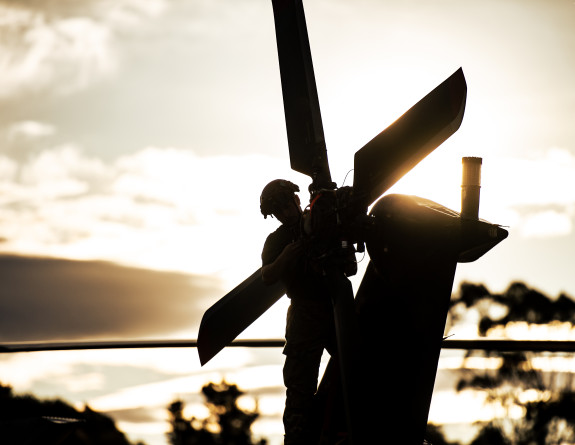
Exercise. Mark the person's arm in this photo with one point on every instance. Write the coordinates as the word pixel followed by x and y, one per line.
pixel 274 271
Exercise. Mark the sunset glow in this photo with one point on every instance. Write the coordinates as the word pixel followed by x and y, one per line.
pixel 135 141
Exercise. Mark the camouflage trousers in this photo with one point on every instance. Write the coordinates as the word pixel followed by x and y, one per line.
pixel 309 330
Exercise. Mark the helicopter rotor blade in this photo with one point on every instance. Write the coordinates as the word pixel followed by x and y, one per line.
pixel 234 312
pixel 408 317
pixel 308 154
pixel 401 329
pixel 347 337
pixel 402 145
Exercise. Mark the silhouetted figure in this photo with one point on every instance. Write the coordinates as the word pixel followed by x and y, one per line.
pixel 310 324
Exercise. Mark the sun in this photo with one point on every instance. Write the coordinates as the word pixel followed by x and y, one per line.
pixel 437 177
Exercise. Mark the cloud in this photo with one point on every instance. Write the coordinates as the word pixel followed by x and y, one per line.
pixel 261 381
pixel 160 208
pixel 536 195
pixel 29 130
pixel 547 223
pixel 543 179
pixel 23 139
pixel 62 172
pixel 63 46
pixel 44 299
pixel 137 415
pixel 62 56
pixel 8 170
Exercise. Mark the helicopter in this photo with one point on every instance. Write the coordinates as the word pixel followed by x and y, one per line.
pixel 414 246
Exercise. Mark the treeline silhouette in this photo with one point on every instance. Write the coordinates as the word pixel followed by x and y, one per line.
pixel 24 419
pixel 227 423
pixel 518 303
pixel 538 404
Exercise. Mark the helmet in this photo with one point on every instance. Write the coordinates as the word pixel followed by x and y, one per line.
pixel 276 193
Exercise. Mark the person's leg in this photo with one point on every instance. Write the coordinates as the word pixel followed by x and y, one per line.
pixel 300 378
pixel 303 351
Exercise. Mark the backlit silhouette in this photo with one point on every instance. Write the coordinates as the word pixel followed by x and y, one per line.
pixel 414 246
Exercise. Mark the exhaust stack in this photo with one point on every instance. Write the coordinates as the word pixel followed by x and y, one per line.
pixel 470 186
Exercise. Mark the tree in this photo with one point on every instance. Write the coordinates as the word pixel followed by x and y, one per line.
pixel 227 424
pixel 518 303
pixel 434 436
pixel 187 432
pixel 26 419
pixel 546 402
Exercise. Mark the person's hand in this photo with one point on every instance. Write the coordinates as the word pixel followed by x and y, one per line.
pixel 274 271
pixel 292 251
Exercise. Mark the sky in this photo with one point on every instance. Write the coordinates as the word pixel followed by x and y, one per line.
pixel 136 136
